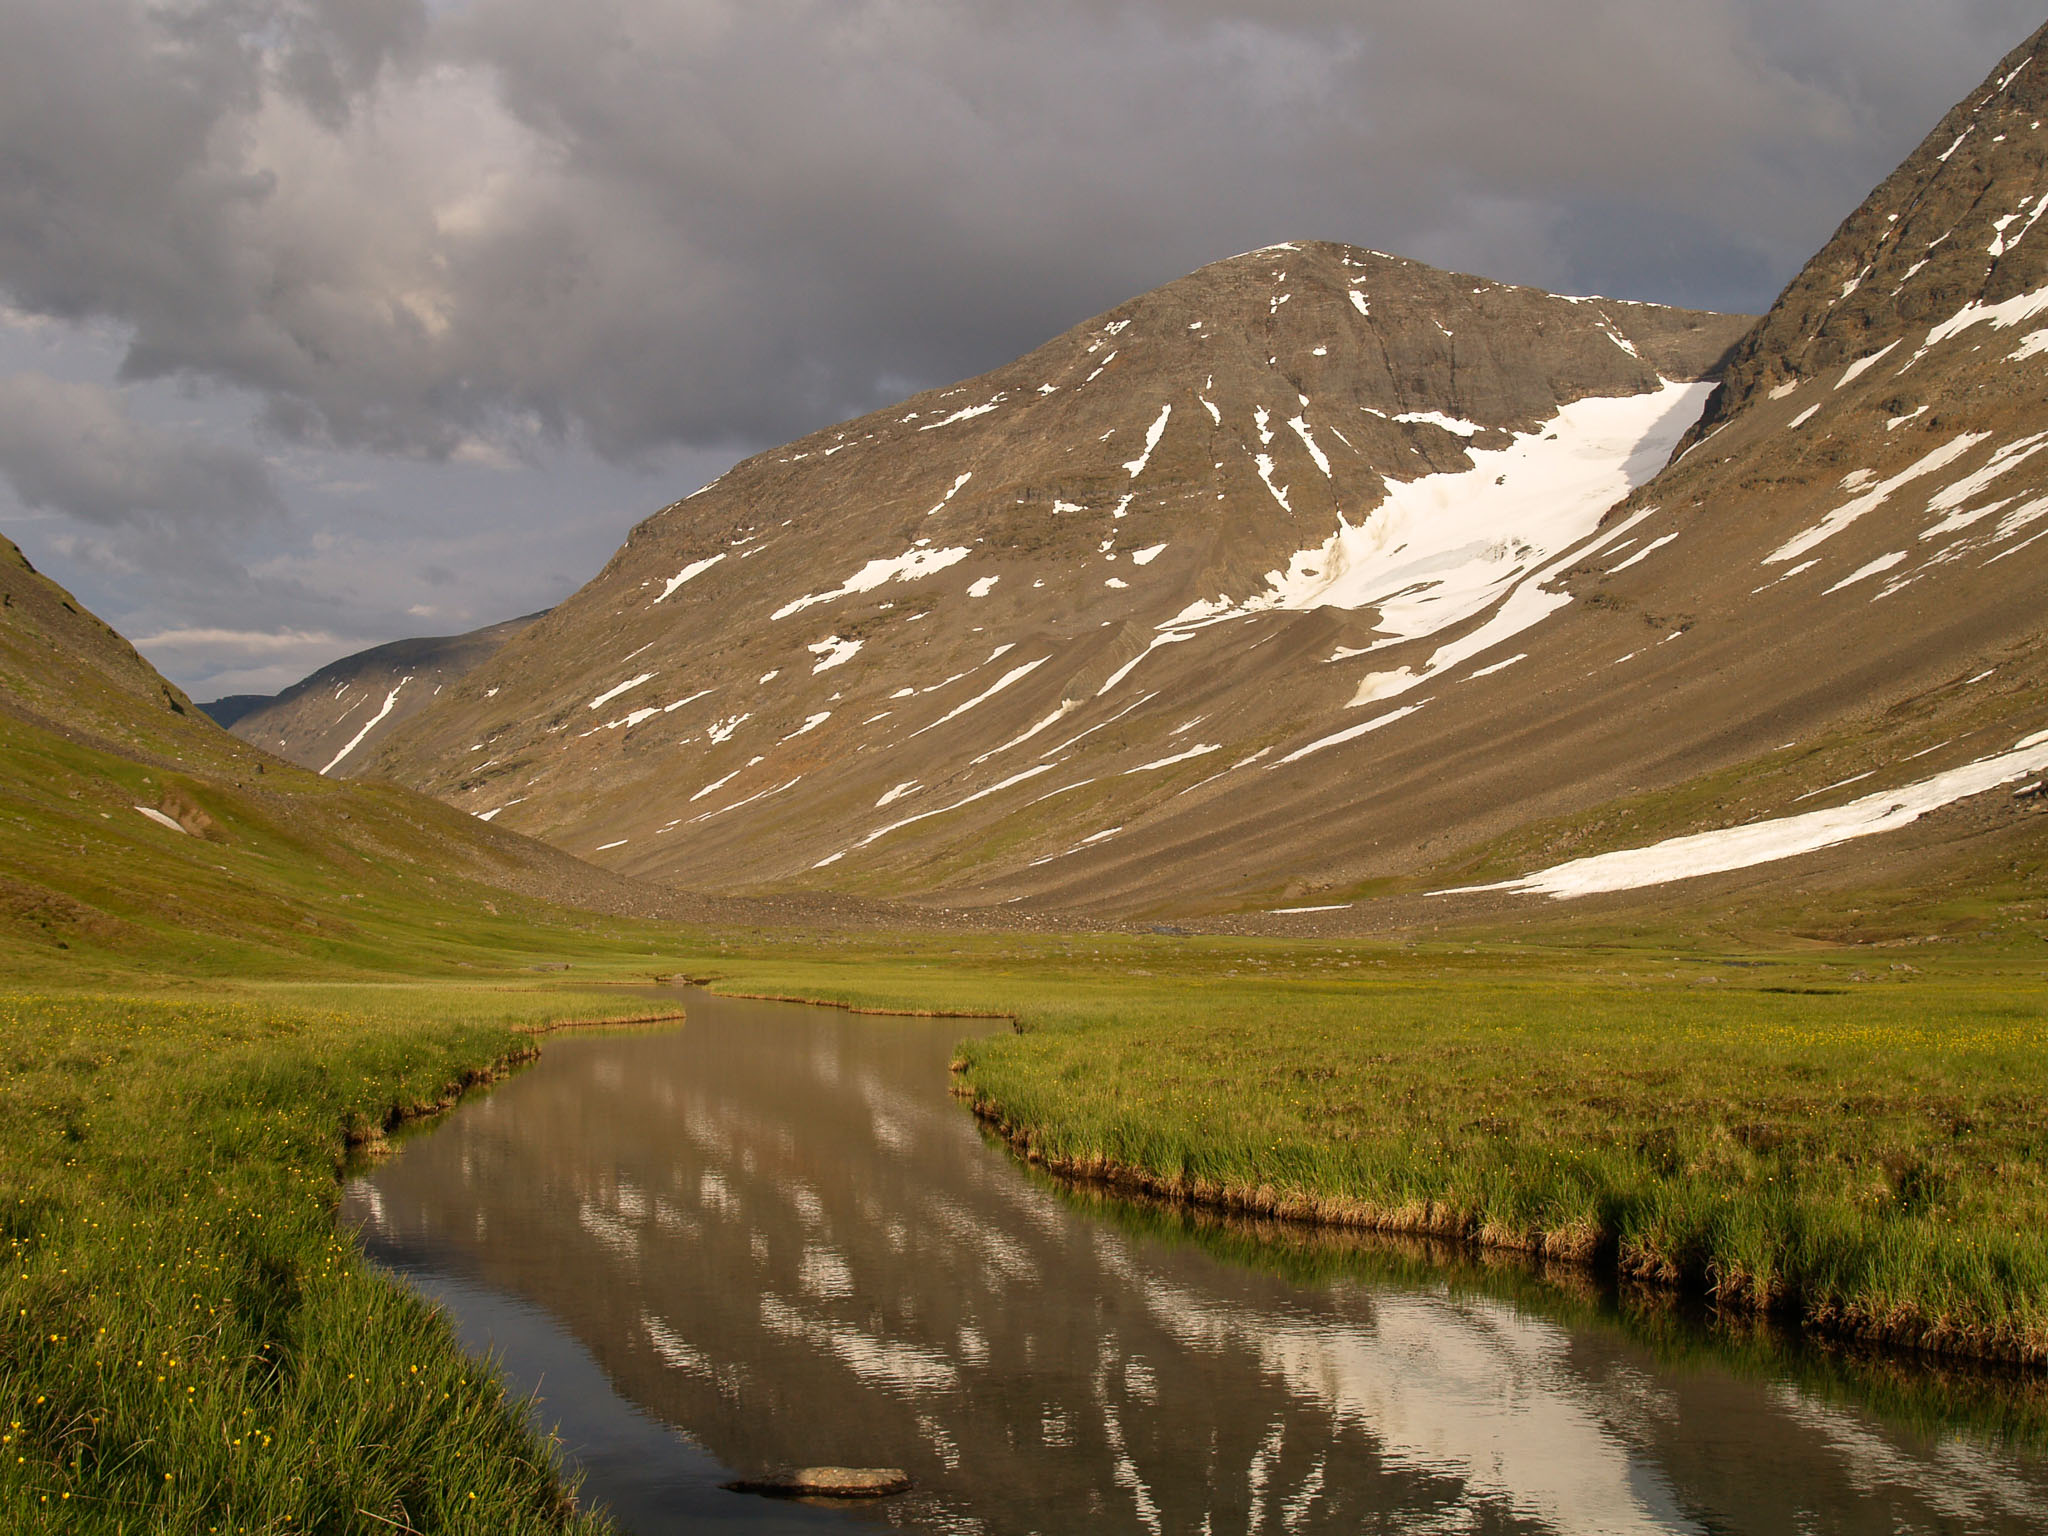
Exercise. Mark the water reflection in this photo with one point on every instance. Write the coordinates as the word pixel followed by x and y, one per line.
pixel 772 1230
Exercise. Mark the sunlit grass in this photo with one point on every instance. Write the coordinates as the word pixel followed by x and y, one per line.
pixel 187 1342
pixel 1864 1150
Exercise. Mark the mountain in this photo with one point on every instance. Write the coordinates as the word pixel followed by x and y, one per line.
pixel 1134 557
pixel 136 834
pixel 1320 577
pixel 332 719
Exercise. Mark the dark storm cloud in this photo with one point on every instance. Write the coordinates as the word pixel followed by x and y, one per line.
pixel 422 229
pixel 73 448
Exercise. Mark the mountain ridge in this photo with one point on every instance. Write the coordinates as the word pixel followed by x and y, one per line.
pixel 302 724
pixel 1346 577
pixel 1258 407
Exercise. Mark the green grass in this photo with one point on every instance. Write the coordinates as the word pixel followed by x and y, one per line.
pixel 1854 1142
pixel 193 1027
pixel 187 1342
pixel 193 1031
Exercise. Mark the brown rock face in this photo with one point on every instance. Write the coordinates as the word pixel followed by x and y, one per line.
pixel 1102 574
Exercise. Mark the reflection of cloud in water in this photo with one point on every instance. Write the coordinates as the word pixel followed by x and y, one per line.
pixel 878 1362
pixel 1962 1484
pixel 1125 1471
pixel 1001 1253
pixel 674 1350
pixel 715 1195
pixel 824 1274
pixel 612 1234
pixel 1470 1387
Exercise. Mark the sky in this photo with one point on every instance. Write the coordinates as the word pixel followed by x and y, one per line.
pixel 329 322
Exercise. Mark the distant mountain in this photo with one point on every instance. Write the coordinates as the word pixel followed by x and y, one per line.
pixel 331 721
pixel 1126 559
pixel 1319 575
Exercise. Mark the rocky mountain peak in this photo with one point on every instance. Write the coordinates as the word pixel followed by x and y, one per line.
pixel 1311 451
pixel 1945 246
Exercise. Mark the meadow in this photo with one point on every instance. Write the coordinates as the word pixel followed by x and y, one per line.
pixel 190 1344
pixel 198 1034
pixel 1859 1148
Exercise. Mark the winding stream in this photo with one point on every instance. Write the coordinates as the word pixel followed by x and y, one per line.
pixel 771 1237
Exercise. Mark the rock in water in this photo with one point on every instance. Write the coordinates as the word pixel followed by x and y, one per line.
pixel 828 1483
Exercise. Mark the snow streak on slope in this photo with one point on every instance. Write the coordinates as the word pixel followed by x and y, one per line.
pixel 1766 842
pixel 357 740
pixel 688 573
pixel 1443 549
pixel 908 566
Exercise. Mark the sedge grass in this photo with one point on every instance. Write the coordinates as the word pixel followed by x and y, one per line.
pixel 187 1342
pixel 1862 1152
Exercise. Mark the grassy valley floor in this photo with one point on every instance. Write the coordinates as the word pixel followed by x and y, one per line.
pixel 1847 1137
pixel 1856 1142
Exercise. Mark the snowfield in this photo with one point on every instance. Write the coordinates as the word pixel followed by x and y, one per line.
pixel 1786 837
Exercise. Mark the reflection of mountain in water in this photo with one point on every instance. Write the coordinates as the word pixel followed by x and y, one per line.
pixel 774 1231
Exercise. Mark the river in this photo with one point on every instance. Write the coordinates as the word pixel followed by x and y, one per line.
pixel 770 1236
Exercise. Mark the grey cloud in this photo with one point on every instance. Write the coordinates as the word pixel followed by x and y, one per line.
pixel 648 223
pixel 72 447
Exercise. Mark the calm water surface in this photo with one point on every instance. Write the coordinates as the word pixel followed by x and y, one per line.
pixel 770 1237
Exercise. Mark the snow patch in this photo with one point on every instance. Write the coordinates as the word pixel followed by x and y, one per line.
pixel 983 587
pixel 1015 674
pixel 1067 707
pixel 1179 757
pixel 1171 637
pixel 1498 666
pixel 390 699
pixel 980 794
pixel 1265 465
pixel 688 573
pixel 832 652
pixel 717 784
pixel 957 485
pixel 2033 344
pixel 1785 837
pixel 1863 365
pixel 964 415
pixel 1872 499
pixel 911 565
pixel 1337 739
pixel 164 821
pixel 602 699
pixel 1456 426
pixel 1152 435
pixel 1147 556
pixel 1444 549
pixel 1301 430
pixel 2014 311
pixel 1880 564
pixel 1644 553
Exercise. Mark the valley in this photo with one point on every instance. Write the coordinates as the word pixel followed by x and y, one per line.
pixel 1463 799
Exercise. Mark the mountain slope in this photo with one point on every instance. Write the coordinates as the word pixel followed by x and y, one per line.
pixel 331 720
pixel 1318 577
pixel 1137 547
pixel 135 833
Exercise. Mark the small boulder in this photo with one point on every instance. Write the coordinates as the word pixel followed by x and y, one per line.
pixel 828 1483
